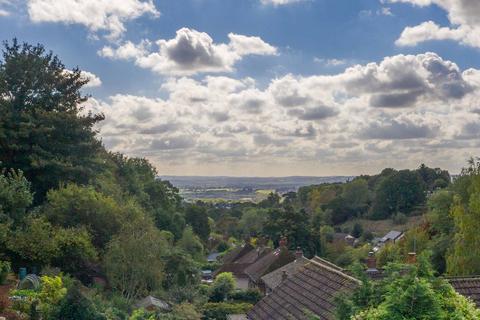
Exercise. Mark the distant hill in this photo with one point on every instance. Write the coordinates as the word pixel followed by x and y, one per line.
pixel 242 188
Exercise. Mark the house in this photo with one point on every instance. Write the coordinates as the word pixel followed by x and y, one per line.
pixel 391 237
pixel 313 287
pixel 207 276
pixel 238 260
pixel 266 264
pixel 273 279
pixel 312 290
pixel 151 303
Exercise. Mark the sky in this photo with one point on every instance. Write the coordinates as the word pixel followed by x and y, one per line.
pixel 271 87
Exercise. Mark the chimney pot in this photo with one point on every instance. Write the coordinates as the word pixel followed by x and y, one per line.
pixel 412 257
pixel 371 261
pixel 298 253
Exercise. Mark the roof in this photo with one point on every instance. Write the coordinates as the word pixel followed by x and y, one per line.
pixel 468 287
pixel 392 235
pixel 236 317
pixel 237 253
pixel 274 278
pixel 312 289
pixel 150 301
pixel 243 261
pixel 269 262
pixel 213 256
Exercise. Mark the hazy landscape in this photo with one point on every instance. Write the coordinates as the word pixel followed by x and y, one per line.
pixel 242 188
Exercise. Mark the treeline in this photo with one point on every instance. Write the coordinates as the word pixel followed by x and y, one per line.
pixel 83 216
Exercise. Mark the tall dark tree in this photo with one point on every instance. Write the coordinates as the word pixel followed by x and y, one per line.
pixel 43 129
pixel 196 216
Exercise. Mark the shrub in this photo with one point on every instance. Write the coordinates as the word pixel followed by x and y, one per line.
pixel 220 310
pixel 399 218
pixel 5 269
pixel 249 296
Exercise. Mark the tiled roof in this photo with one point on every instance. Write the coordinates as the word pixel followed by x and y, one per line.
pixel 269 262
pixel 468 287
pixel 274 278
pixel 242 260
pixel 237 253
pixel 311 290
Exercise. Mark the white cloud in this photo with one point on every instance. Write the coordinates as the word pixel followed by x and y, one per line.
pixel 399 112
pixel 330 62
pixel 93 80
pixel 464 17
pixel 4 13
pixel 97 15
pixel 190 52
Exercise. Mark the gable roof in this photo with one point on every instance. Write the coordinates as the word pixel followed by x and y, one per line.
pixel 392 235
pixel 312 289
pixel 274 278
pixel 150 301
pixel 269 262
pixel 242 260
pixel 468 287
pixel 236 253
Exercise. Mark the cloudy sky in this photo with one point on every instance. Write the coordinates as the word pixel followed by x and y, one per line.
pixel 272 87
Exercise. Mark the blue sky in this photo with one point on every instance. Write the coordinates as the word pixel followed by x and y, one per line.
pixel 269 87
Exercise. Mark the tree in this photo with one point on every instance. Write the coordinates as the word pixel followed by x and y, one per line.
pixel 196 216
pixel 15 195
pixel 408 292
pixel 76 206
pixel 191 244
pixel 357 230
pixel 401 191
pixel 464 256
pixel 356 195
pixel 133 260
pixel 43 131
pixel 222 287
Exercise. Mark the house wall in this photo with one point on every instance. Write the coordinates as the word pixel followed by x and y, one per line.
pixel 241 283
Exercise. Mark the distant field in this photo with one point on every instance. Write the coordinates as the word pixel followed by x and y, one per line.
pixel 214 189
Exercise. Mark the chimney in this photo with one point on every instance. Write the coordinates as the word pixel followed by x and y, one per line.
pixel 298 253
pixel 284 275
pixel 412 258
pixel 371 262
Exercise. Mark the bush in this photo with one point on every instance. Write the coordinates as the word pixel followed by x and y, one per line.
pixel 250 296
pixel 220 310
pixel 399 218
pixel 222 287
pixel 5 269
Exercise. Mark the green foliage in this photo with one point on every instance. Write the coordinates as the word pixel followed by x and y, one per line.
pixel 5 269
pixel 250 296
pixel 75 206
pixel 42 129
pixel 75 306
pixel 399 218
pixel 400 191
pixel 15 195
pixel 142 314
pixel 408 292
pixel 180 270
pixel 220 310
pixel 191 244
pixel 196 216
pixel 464 256
pixel 133 260
pixel 222 287
pixel 51 293
pixel 357 230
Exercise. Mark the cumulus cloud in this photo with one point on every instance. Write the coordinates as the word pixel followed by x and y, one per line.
pixel 93 80
pixel 190 52
pixel 405 107
pixel 108 16
pixel 464 17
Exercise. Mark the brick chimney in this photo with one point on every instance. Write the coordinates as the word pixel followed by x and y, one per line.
pixel 412 258
pixel 298 253
pixel 371 262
